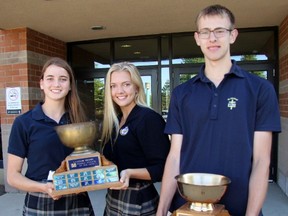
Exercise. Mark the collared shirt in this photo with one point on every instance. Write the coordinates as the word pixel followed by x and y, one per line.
pixel 141 143
pixel 33 137
pixel 218 126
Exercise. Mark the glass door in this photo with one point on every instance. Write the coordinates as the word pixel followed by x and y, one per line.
pixel 184 73
pixel 91 92
pixel 266 71
pixel 149 79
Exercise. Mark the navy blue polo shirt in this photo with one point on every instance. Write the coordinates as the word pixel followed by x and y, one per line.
pixel 141 143
pixel 218 126
pixel 33 137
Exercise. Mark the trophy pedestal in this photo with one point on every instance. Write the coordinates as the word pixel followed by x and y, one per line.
pixel 218 210
pixel 81 180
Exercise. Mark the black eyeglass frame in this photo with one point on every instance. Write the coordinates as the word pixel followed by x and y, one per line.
pixel 205 33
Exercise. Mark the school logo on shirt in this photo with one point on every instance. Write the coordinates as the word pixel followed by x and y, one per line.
pixel 232 103
pixel 124 131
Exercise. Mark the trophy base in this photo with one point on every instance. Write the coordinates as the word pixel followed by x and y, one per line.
pixel 81 180
pixel 218 210
pixel 82 161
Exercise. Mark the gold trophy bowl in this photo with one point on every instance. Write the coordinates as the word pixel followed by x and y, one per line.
pixel 78 136
pixel 202 190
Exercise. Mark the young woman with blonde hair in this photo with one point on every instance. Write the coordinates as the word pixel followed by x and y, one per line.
pixel 134 139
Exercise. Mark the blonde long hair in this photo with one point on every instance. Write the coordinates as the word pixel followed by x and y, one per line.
pixel 111 109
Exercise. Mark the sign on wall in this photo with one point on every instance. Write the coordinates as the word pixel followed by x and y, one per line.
pixel 13 100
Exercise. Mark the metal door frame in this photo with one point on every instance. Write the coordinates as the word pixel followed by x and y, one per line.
pixel 154 73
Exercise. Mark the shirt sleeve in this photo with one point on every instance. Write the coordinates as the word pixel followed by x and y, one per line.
pixel 154 143
pixel 267 113
pixel 18 140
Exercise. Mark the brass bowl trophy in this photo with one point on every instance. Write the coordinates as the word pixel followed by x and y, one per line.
pixel 84 169
pixel 202 191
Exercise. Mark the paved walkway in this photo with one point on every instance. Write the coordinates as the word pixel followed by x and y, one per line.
pixel 276 203
pixel 12 203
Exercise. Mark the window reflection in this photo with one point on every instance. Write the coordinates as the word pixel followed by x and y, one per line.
pixel 147 89
pixel 161 56
pixel 141 52
pixel 165 91
pixel 91 55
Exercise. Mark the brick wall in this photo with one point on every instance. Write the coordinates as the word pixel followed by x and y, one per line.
pixel 283 101
pixel 283 66
pixel 23 52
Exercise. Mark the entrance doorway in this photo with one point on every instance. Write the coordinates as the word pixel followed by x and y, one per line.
pixel 165 61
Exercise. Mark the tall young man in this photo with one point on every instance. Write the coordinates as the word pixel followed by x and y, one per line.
pixel 221 122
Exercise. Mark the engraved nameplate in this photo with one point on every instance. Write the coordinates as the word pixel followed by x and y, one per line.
pixel 83 161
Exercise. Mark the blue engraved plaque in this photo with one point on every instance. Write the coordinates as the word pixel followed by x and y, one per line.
pixel 61 187
pixel 99 176
pixel 85 173
pixel 60 182
pixel 72 180
pixel 72 175
pixel 59 177
pixel 74 184
pixel 81 163
pixel 111 172
pixel 86 183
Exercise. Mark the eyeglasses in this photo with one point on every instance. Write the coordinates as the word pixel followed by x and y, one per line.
pixel 218 32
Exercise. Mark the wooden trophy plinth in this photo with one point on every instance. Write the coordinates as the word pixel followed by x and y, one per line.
pixel 185 210
pixel 85 173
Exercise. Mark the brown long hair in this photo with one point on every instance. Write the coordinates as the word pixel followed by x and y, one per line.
pixel 73 104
